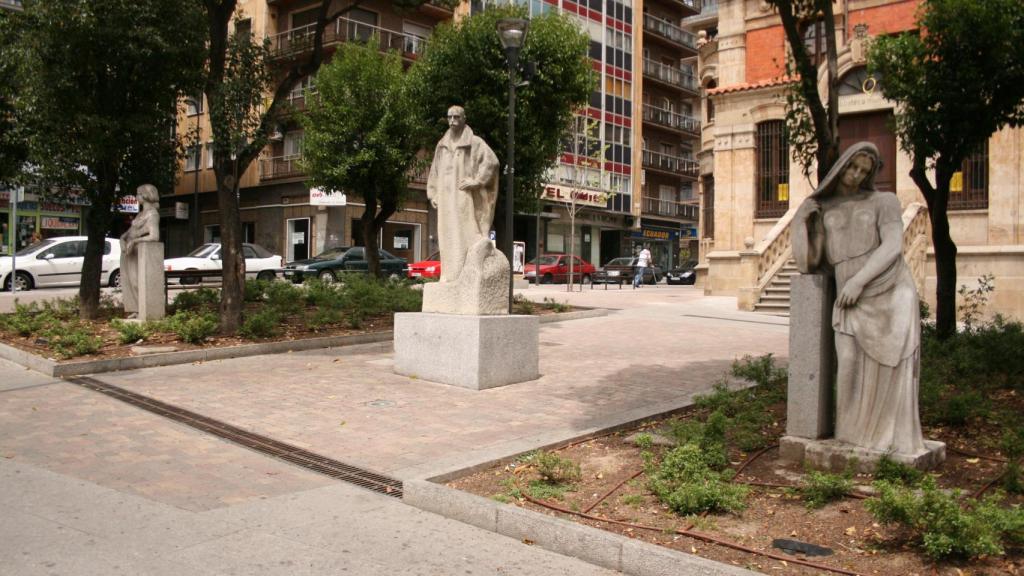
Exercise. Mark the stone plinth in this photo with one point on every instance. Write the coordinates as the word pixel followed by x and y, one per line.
pixel 835 456
pixel 476 352
pixel 152 297
pixel 811 352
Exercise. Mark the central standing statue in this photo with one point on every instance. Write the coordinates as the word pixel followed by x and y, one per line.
pixel 463 186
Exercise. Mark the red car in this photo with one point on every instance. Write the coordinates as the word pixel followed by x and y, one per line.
pixel 429 268
pixel 555 268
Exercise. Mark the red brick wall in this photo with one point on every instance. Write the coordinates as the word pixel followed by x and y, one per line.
pixel 766 54
pixel 889 19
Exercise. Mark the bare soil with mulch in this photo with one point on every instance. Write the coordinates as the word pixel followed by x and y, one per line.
pixel 612 496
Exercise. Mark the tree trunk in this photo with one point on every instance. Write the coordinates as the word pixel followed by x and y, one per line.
pixel 92 266
pixel 233 277
pixel 937 198
pixel 370 241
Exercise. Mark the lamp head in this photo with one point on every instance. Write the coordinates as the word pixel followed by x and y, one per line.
pixel 512 32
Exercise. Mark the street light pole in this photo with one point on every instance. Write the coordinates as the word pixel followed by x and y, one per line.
pixel 512 32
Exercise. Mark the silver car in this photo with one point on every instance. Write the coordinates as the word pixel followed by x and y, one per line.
pixel 58 262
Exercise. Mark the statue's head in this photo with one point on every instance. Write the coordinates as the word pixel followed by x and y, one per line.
pixel 456 117
pixel 855 169
pixel 148 194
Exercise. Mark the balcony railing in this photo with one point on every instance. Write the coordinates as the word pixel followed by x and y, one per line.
pixel 299 40
pixel 280 167
pixel 671 164
pixel 670 209
pixel 680 78
pixel 670 119
pixel 669 31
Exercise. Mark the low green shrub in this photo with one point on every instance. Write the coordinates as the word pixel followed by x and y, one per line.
pixel 1012 445
pixel 255 289
pixel 70 339
pixel 284 298
pixel 195 300
pixel 895 472
pixel 324 317
pixel 26 320
pixel 262 324
pixel 687 481
pixel 557 307
pixel 62 308
pixel 554 469
pixel 547 491
pixel 522 305
pixel 820 488
pixel 324 294
pixel 191 327
pixel 942 527
pixel 131 332
pixel 644 441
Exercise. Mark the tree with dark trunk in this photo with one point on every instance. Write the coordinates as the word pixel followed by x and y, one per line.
pixel 99 83
pixel 238 79
pixel 361 134
pixel 956 83
pixel 813 126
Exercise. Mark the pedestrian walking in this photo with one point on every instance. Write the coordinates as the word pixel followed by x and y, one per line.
pixel 643 260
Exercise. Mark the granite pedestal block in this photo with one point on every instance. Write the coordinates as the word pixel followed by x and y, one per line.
pixel 811 357
pixel 476 352
pixel 835 456
pixel 152 288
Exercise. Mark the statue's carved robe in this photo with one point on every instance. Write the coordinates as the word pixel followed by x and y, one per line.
pixel 462 217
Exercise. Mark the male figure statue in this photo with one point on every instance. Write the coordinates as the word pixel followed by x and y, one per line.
pixel 463 186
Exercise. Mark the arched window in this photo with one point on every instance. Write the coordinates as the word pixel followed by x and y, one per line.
pixel 772 169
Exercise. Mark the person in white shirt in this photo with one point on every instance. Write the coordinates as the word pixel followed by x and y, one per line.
pixel 643 260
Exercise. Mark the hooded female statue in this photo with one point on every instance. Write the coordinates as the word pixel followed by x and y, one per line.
pixel 850 230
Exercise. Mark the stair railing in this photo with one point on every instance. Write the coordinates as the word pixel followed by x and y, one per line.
pixel 916 235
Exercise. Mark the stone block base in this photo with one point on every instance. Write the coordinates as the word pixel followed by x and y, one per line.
pixel 476 352
pixel 829 454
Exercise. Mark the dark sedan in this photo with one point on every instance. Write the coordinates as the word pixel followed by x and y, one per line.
pixel 683 274
pixel 330 265
pixel 625 267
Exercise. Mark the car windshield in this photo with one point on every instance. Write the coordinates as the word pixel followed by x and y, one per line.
pixel 434 256
pixel 619 262
pixel 545 260
pixel 32 248
pixel 260 251
pixel 204 251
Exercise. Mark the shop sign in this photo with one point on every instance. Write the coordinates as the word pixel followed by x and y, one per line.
pixel 652 234
pixel 321 197
pixel 181 210
pixel 556 193
pixel 58 223
pixel 127 205
pixel 689 232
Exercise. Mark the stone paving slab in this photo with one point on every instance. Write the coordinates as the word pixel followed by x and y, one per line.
pixel 641 360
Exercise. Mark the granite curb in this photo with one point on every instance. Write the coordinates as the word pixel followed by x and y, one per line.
pixel 359 343
pixel 592 545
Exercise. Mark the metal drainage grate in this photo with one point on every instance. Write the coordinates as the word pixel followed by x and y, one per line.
pixel 269 446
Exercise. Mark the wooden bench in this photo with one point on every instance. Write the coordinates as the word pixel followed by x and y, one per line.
pixel 603 277
pixel 197 275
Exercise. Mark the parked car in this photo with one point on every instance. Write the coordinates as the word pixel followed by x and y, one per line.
pixel 682 274
pixel 259 262
pixel 555 268
pixel 429 268
pixel 58 262
pixel 625 268
pixel 330 265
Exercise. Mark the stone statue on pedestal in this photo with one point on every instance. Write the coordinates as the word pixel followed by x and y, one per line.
pixel 851 231
pixel 463 186
pixel 142 283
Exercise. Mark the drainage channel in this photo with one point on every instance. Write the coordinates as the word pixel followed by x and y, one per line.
pixel 274 448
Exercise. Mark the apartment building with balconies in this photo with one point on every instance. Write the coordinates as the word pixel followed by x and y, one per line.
pixel 274 193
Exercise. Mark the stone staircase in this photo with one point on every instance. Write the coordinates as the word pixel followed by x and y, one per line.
pixel 775 297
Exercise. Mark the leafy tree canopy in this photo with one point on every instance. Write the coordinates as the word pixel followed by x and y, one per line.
pixel 13 148
pixel 465 65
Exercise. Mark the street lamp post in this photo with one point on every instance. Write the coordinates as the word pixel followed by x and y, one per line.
pixel 512 32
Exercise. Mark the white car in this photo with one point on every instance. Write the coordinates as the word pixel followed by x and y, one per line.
pixel 259 262
pixel 58 262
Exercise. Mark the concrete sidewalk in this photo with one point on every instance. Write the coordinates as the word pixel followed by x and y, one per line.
pixel 92 485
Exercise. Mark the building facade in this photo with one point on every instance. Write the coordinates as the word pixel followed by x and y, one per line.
pixel 750 185
pixel 639 119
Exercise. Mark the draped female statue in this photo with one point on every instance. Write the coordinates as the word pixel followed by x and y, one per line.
pixel 848 229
